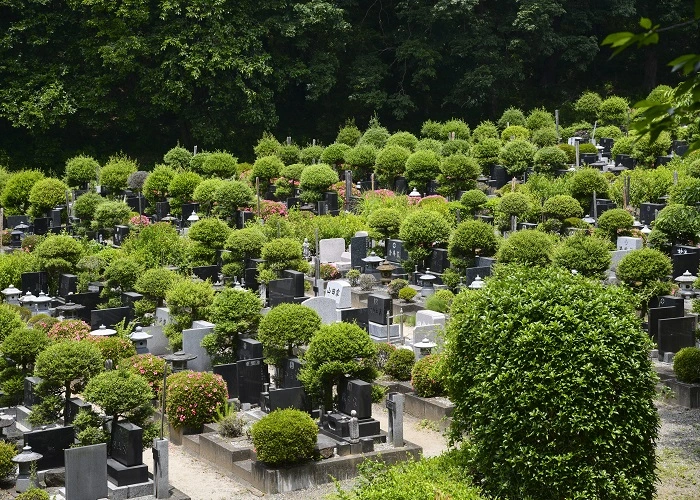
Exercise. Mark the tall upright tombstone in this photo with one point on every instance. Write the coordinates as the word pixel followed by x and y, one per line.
pixel 35 282
pixel 676 333
pixel 86 472
pixel 358 251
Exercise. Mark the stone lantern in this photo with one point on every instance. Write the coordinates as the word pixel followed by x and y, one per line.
pixel 42 302
pixel 12 295
pixel 179 360
pixel 16 238
pixel 477 283
pixel 372 262
pixel 140 340
pixel 415 196
pixel 424 348
pixel 192 218
pixel 427 281
pixel 589 220
pixel 645 230
pixel 25 461
pixel 685 282
pixel 386 268
pixel 27 299
pixel 103 331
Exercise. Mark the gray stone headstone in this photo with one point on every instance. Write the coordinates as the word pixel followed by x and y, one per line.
pixel 192 344
pixel 341 292
pixel 358 251
pixel 395 403
pixel 161 483
pixel 86 472
pixel 616 256
pixel 428 317
pixel 325 307
pixel 331 249
pixel 158 344
pixel 163 316
pixel 379 332
pixel 429 332
pixel 629 243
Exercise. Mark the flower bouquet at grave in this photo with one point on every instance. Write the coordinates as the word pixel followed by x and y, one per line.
pixel 69 329
pixel 193 398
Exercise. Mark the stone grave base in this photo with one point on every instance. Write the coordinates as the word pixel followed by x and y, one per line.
pixel 118 493
pixel 686 395
pixel 378 332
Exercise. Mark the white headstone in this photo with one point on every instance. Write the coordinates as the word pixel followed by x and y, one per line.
pixel 629 243
pixel 427 317
pixel 617 256
pixel 331 249
pixel 163 316
pixel 192 344
pixel 429 332
pixel 324 306
pixel 361 233
pixel 341 292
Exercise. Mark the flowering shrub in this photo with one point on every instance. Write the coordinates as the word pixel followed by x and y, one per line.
pixel 193 398
pixel 114 348
pixel 269 208
pixel 339 187
pixel 69 329
pixel 329 272
pixel 149 367
pixel 139 221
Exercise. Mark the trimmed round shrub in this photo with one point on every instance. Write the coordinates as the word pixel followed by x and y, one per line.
pixel 460 129
pixel 266 146
pixel 10 320
pixel 615 222
pixel 210 231
pixel 517 156
pixel 58 253
pixel 420 230
pixel 266 169
pixel 407 293
pixel 529 248
pixel 122 273
pixel 333 154
pixel 426 378
pixel 178 158
pixel 686 365
pixel 288 153
pixel 45 195
pixel 286 326
pixel 23 345
pixel 686 192
pixel 587 106
pixel 120 394
pixel 361 159
pixel 562 207
pixel 474 200
pixel 422 167
pixel 538 119
pixel 182 186
pixel 281 254
pixel 457 173
pixel 610 132
pixel 235 313
pixel 385 221
pixel 375 136
pixel 485 130
pixel 136 180
pixel 646 152
pixel 400 364
pixel 154 283
pixel 550 158
pixel 430 145
pixel 515 204
pixel 584 181
pixel 391 163
pixel 148 366
pixel 511 116
pixel 316 180
pixel 197 162
pixel 293 172
pixel 570 152
pixel 114 348
pixel 116 172
pixel 679 223
pixel 220 164
pixel 440 301
pixel 80 170
pixel 486 152
pixel 155 188
pixel 310 154
pixel 395 286
pixel 515 132
pixel 545 137
pixel 336 351
pixel 623 146
pixel 457 146
pixel 8 468
pixel 111 213
pixel 246 242
pixel 15 194
pixel 588 255
pixel 587 147
pixel 643 270
pixel 403 139
pixel 349 134
pixel 431 130
pixel 284 437
pixel 231 196
pixel 614 111
pixel 193 398
pixel 522 404
pixel 469 239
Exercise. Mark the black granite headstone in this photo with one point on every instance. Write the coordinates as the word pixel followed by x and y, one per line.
pixel 378 304
pixel 229 372
pixel 15 220
pixel 41 225
pixel 293 202
pixel 210 273
pixel 288 397
pixel 607 144
pixel 50 443
pixel 249 349
pixel 251 279
pixel 657 313
pixel 108 317
pixel 499 176
pixel 280 291
pixel 485 261
pixel 129 299
pixel 127 444
pixel 290 372
pixel 602 205
pixel 649 211
pixel 35 282
pixel 332 200
pixel 30 396
pixel 67 283
pixel 438 260
pixel 353 315
pixel 676 333
pixel 162 209
pixel 358 251
pixel 355 395
pixel 395 251
pixel 297 278
pixel 87 299
pixel 588 158
pixel 188 209
pixel 74 406
pixel 120 234
pixel 322 208
pixel 685 259
pixel 672 301
pixel 133 202
pixel 679 147
pixel 250 380
pixel 56 217
pixel 400 185
pixel 473 272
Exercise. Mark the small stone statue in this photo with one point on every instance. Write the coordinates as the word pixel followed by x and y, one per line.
pixel 305 250
pixel 354 427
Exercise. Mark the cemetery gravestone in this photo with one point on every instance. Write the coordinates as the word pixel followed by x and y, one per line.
pixel 229 372
pixel 676 333
pixel 355 395
pixel 249 349
pixel 74 406
pixel 108 317
pixel 50 442
pixel 67 283
pixel 628 243
pixel 250 380
pixel 290 397
pixel 358 251
pixel 649 211
pixel 120 234
pixel 86 472
pixel 324 306
pixel 378 305
pixel 428 317
pixel 657 313
pixel 354 315
pixel 672 301
pixel 35 282
pixel 129 299
pixel 331 249
pixel 438 260
pixel 204 273
pixel 395 251
pixel 127 444
pixel 341 292
pixel 297 278
pixel 473 272
pixel 292 367
pixel 192 344
pixel 685 258
pixel 281 291
pixel 41 225
pixel 30 396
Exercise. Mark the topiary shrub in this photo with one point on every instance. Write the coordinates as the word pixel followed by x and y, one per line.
pixel 485 130
pixel 440 301
pixel 110 214
pixel 457 173
pixel 80 170
pixel 285 327
pixel 456 126
pixel 407 293
pixel 367 282
pixel 58 253
pixel 266 169
pixel 486 152
pixel 515 132
pixel 333 154
pixel 150 367
pixel 384 350
pixel 588 255
pixel 646 152
pixel 281 254
pixel 615 222
pixel 422 229
pixel 316 180
pixel 386 222
pixel 136 180
pixel 430 145
pixel 220 164
pixel 545 137
pixel 584 182
pixel 234 312
pixel 515 204
pixel 422 167
pixel 10 320
pixel 361 160
pixel 395 286
pixel 562 207
pixel 469 239
pixel 511 116
pixel 205 193
pixel 284 437
pixel 529 248
pixel 188 301
pixel 645 271
pixel 122 274
pixel 609 131
pixel 193 398
pixel 614 111
pixel 426 377
pixel 181 189
pixel 455 147
pixel 403 139
pixel 85 205
pixel 210 231
pixel 115 173
pixel 115 348
pixel 310 154
pixel 288 153
pixel 679 223
pixel 231 196
pixel 517 156
pixel 8 468
pixel 587 106
pixel 178 158
pixel 375 135
pixel 399 364
pixel 336 351
pixel 686 365
pixel 154 283
pixel 390 163
pixel 685 192
pixel 474 200
pixel 521 405
pixel 550 158
pixel 431 130
pixel 539 119
pixel 266 146
pixel 15 194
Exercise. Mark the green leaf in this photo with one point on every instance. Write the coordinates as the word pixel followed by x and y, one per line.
pixel 645 23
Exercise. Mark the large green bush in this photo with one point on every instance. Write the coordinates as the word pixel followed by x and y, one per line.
pixel 538 119
pixel 550 158
pixel 615 222
pixel 469 239
pixel 266 169
pixel 391 163
pixel 511 116
pixel 310 154
pixel 403 139
pixel 459 127
pixel 562 207
pixel 115 347
pixel 122 273
pixel 58 253
pixel 485 130
pixel 431 130
pixel 188 301
pixel 80 170
pixel 210 231
pixel 115 173
pixel 284 437
pixel 20 349
pixel 588 255
pixel 316 180
pixel 111 213
pixel 375 135
pixel 545 418
pixel 231 196
pixel 10 320
pixel 587 106
pixel 334 154
pixel 193 398
pixel 281 254
pixel 440 301
pixel 336 351
pixel 15 194
pixel 400 364
pixel 385 222
pixel 154 283
pixel 267 146
pixel 426 376
pixel 515 132
pixel 679 223
pixel 220 164
pixel 685 192
pixel 235 313
pixel 361 159
pixel 686 365
pixel 422 167
pixel 545 137
pixel 457 173
pixel 181 189
pixel 178 158
pixel 85 205
pixel 474 200
pixel 285 327
pixel 517 156
pixel 645 271
pixel 205 193
pixel 420 230
pixel 288 153
pixel 515 204
pixel 582 183
pixel 614 111
pixel 155 187
pixel 486 152
pixel 646 152
pixel 529 248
